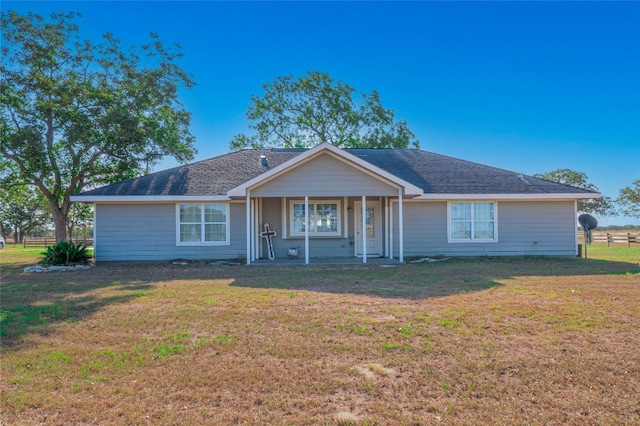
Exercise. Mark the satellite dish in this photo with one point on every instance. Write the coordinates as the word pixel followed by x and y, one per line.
pixel 587 221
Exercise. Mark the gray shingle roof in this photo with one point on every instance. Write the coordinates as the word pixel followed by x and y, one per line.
pixel 434 173
pixel 440 174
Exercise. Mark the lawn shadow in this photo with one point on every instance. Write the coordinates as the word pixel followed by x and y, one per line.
pixel 36 301
pixel 423 280
pixel 413 282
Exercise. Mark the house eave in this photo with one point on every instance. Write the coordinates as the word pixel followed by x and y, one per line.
pixel 494 196
pixel 146 198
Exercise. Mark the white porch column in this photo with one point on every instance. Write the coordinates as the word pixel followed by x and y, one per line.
pixel 248 209
pixel 400 228
pixel 255 241
pixel 386 226
pixel 306 229
pixel 364 229
pixel 390 229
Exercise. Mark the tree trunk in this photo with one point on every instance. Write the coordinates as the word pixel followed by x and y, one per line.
pixel 59 221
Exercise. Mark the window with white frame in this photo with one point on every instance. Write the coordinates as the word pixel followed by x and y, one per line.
pixel 203 224
pixel 324 218
pixel 472 221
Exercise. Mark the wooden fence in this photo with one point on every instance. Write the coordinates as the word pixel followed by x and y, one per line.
pixel 26 241
pixel 627 238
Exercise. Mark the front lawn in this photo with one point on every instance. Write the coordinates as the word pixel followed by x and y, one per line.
pixel 462 341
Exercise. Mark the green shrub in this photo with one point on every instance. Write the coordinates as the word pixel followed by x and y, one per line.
pixel 66 253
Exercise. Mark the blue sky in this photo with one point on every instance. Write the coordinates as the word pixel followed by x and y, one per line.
pixel 525 86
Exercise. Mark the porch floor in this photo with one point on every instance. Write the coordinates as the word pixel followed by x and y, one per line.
pixel 328 261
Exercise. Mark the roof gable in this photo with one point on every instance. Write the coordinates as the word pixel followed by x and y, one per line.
pixel 342 155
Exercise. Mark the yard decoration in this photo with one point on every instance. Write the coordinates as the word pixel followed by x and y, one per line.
pixel 268 234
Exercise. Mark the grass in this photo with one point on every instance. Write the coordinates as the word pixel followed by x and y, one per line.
pixel 483 340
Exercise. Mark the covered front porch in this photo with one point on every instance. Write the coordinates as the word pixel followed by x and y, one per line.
pixel 324 229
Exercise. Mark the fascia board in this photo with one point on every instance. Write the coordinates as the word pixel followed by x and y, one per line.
pixel 545 196
pixel 145 198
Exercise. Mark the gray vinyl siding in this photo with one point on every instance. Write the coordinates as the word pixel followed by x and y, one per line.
pixel 148 232
pixel 324 176
pixel 318 247
pixel 524 228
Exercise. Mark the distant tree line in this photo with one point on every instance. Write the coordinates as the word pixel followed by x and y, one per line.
pixel 24 212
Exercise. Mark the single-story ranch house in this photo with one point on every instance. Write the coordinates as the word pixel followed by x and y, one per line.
pixel 327 202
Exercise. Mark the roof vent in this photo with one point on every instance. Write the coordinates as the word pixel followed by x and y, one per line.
pixel 263 161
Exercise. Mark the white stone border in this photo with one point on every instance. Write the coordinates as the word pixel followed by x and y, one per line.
pixel 40 268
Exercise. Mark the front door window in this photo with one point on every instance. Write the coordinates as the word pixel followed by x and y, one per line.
pixel 373 228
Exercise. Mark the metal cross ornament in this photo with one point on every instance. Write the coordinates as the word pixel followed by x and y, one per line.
pixel 268 234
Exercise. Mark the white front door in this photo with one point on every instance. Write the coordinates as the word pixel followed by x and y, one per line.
pixel 373 228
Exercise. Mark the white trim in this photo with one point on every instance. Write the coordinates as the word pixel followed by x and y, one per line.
pixel 306 230
pixel 283 214
pixel 495 197
pixel 259 220
pixel 363 228
pixel 248 226
pixel 400 202
pixel 255 226
pixel 575 226
pixel 95 223
pixel 472 240
pixel 390 229
pixel 147 198
pixel 345 214
pixel 338 153
pixel 202 231
pixel 386 226
pixel 400 229
pixel 363 239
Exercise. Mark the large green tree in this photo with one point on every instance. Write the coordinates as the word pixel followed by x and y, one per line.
pixel 629 199
pixel 76 114
pixel 313 109
pixel 598 206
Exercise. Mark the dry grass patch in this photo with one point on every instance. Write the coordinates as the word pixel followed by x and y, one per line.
pixel 506 341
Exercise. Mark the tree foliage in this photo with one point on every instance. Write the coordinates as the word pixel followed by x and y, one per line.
pixel 76 114
pixel 629 199
pixel 307 111
pixel 599 206
pixel 79 220
pixel 23 209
